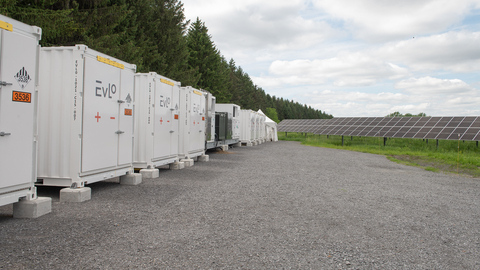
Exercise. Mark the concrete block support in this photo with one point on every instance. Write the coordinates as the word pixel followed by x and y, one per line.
pixel 150 173
pixel 188 162
pixel 33 208
pixel 239 144
pixel 204 158
pixel 131 179
pixel 177 166
pixel 75 195
pixel 195 159
pixel 224 147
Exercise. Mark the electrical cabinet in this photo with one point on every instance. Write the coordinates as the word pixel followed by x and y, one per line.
pixel 234 111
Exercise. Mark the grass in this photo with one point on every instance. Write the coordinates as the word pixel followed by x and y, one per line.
pixel 450 156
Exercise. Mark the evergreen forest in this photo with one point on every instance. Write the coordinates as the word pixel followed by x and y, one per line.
pixel 154 35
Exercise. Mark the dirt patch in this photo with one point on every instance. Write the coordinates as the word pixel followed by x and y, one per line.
pixel 219 151
pixel 435 165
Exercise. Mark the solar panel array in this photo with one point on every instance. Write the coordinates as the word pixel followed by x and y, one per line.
pixel 442 128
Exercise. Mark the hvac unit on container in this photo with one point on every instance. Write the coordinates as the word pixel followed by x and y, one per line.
pixel 86 116
pixel 210 121
pixel 18 111
pixel 230 114
pixel 157 113
pixel 192 122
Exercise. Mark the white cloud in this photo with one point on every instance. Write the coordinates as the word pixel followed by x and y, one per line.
pixel 349 69
pixel 380 20
pixel 454 51
pixel 276 26
pixel 433 86
pixel 362 51
pixel 436 97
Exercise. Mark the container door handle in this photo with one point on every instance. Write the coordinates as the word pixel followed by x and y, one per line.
pixel 5 134
pixel 119 132
pixel 121 101
pixel 171 131
pixel 2 83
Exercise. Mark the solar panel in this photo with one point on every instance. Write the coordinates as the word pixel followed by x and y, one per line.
pixel 444 128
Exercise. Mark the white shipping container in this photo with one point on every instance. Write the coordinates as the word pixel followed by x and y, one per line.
pixel 85 116
pixel 234 111
pixel 247 128
pixel 18 109
pixel 192 122
pixel 157 109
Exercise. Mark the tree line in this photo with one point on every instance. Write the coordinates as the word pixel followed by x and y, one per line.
pixel 398 114
pixel 154 35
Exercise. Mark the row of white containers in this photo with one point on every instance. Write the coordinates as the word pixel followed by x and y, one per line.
pixel 97 119
pixel 253 129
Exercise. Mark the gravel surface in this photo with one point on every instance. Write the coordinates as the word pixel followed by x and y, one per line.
pixel 272 206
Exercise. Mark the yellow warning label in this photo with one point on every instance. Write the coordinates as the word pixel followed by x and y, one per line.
pixel 6 26
pixel 167 82
pixel 197 92
pixel 110 62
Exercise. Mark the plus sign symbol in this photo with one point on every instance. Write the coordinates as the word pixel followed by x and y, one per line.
pixel 98 116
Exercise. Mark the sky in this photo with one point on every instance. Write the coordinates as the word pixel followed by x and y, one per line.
pixel 354 57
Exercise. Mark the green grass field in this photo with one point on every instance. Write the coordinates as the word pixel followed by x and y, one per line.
pixel 450 156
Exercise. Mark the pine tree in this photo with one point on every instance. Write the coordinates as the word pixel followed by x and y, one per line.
pixel 212 68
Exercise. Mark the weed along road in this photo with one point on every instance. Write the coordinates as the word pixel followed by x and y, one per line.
pixel 276 205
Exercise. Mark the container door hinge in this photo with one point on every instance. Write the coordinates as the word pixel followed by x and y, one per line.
pixel 171 131
pixel 119 132
pixel 5 134
pixel 121 101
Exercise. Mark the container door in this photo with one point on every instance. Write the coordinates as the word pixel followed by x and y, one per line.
pixel 17 72
pixel 252 126
pixel 125 127
pixel 162 119
pixel 195 125
pixel 175 114
pixel 100 115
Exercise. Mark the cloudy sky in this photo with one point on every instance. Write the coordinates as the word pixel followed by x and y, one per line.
pixel 354 57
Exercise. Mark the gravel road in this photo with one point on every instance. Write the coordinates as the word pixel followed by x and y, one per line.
pixel 274 206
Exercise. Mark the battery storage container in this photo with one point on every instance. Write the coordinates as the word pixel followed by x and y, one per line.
pixel 85 116
pixel 210 121
pixel 247 128
pixel 233 111
pixel 157 112
pixel 18 109
pixel 192 122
